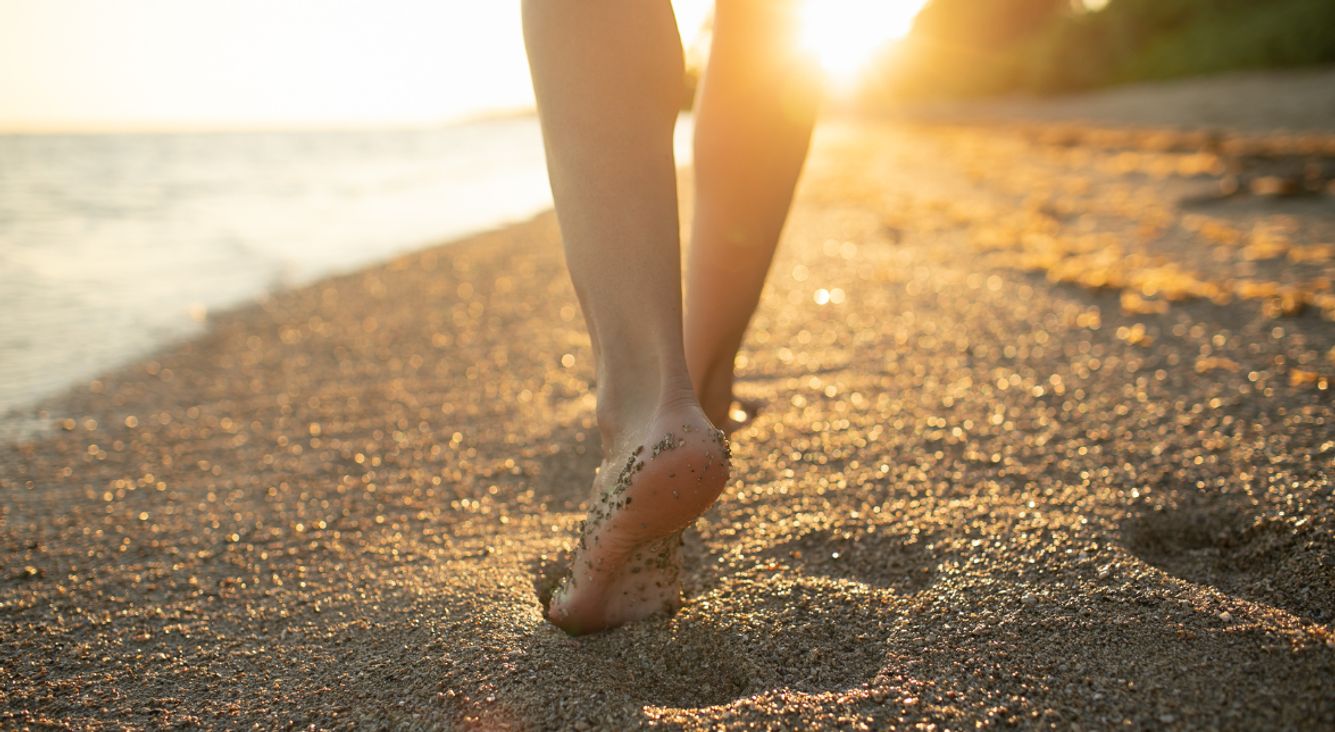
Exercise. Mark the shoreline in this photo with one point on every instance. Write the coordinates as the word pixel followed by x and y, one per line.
pixel 197 236
pixel 1045 443
pixel 43 413
pixel 1172 113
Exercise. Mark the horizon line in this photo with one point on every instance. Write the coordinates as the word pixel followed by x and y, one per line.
pixel 162 127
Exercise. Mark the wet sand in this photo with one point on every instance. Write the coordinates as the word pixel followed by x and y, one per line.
pixel 1045 442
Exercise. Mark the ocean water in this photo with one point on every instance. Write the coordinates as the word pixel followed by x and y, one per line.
pixel 113 245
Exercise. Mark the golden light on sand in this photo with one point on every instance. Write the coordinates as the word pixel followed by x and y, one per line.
pixel 843 36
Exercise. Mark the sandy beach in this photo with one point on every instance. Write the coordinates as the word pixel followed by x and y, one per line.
pixel 1044 442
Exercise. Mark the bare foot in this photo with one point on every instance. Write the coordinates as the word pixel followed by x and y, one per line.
pixel 651 487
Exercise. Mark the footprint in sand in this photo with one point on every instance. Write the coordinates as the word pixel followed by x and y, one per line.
pixel 1224 543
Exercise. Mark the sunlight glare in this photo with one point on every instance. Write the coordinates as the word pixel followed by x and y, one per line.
pixel 210 64
pixel 844 36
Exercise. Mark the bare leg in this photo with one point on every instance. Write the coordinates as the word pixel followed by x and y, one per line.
pixel 608 78
pixel 753 123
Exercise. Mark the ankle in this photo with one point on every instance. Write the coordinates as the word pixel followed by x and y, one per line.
pixel 625 409
pixel 711 362
pixel 713 385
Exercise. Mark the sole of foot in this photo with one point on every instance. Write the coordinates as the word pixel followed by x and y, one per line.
pixel 651 488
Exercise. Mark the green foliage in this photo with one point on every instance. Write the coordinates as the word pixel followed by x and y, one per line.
pixel 1132 40
pixel 962 47
pixel 1260 35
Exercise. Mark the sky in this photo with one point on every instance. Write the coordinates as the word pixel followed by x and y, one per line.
pixel 112 63
pixel 148 64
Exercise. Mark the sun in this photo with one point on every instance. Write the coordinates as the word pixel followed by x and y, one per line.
pixel 843 36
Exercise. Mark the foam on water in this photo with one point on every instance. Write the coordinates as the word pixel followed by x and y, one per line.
pixel 112 245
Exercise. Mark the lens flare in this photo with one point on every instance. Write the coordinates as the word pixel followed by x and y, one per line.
pixel 844 36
